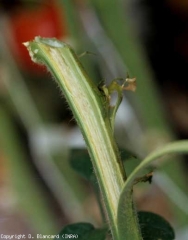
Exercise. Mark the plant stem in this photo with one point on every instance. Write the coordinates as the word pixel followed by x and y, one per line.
pixel 126 214
pixel 90 109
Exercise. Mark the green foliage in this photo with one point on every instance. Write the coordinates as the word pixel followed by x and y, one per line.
pixel 154 227
pixel 130 161
pixel 83 231
pixel 81 163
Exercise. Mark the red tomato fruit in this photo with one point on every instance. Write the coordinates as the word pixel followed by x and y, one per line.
pixel 43 20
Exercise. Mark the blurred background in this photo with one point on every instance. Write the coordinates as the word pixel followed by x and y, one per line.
pixel 39 190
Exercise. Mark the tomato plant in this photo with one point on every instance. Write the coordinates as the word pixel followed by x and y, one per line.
pixel 42 19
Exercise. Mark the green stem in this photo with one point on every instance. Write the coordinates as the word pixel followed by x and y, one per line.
pixel 89 108
pixel 127 218
pixel 178 147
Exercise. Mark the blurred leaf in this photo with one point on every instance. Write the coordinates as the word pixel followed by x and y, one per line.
pixel 130 161
pixel 81 163
pixel 84 231
pixel 127 155
pixel 77 228
pixel 154 227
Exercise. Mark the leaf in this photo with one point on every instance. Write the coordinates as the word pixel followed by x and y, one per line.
pixel 77 228
pixel 128 225
pixel 82 231
pixel 130 161
pixel 155 227
pixel 97 234
pixel 80 161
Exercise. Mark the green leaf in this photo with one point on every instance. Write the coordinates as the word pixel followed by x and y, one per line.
pixel 126 216
pixel 154 227
pixel 127 155
pixel 97 234
pixel 80 161
pixel 130 161
pixel 83 231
